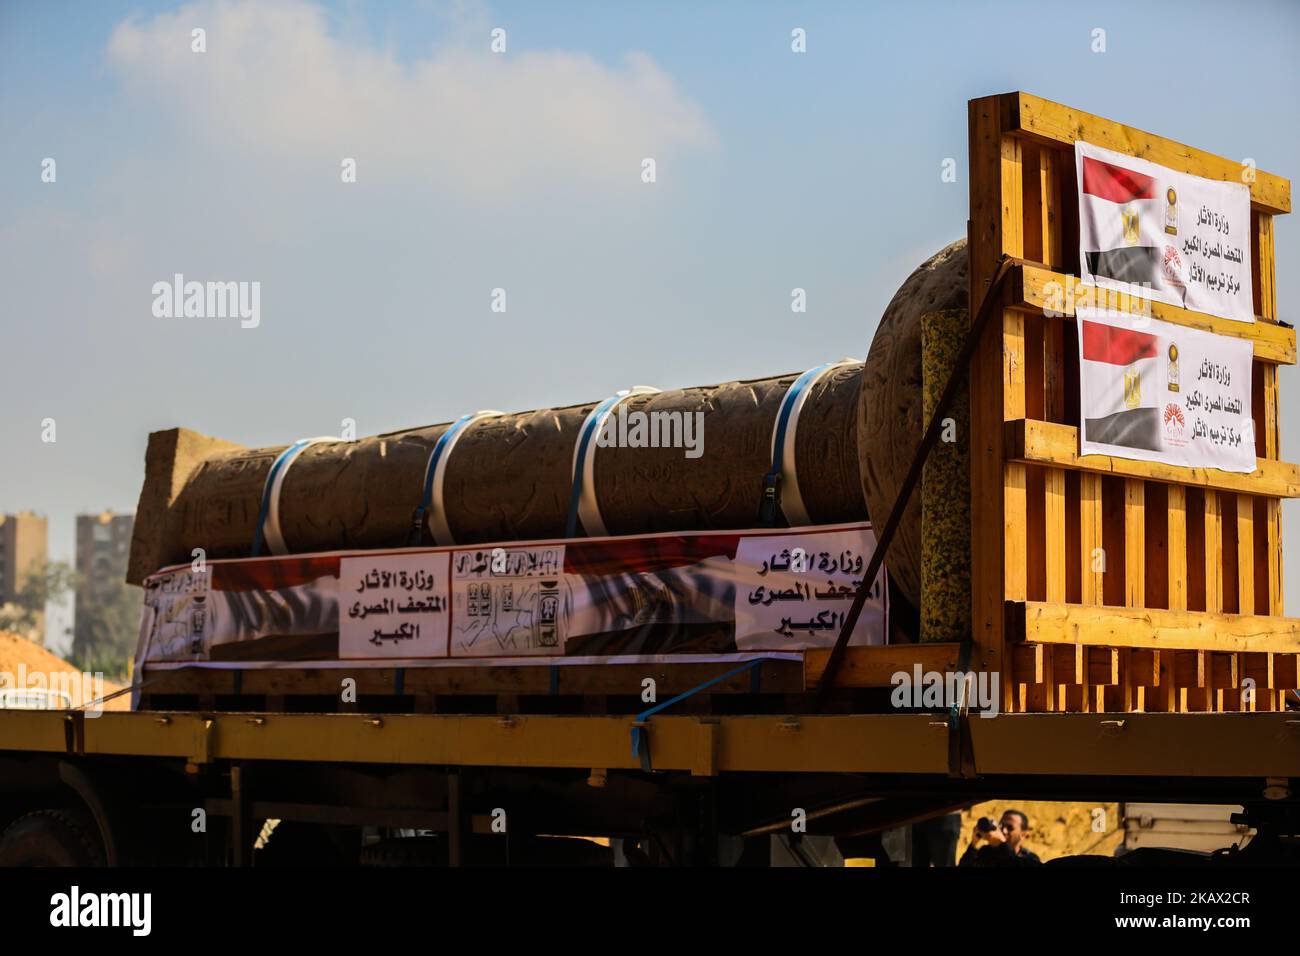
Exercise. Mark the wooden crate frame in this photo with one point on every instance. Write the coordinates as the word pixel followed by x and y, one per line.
pixel 1190 601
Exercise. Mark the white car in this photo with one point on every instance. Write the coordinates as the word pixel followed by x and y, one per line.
pixel 33 698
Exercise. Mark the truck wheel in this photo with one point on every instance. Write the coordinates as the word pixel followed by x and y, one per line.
pixel 51 838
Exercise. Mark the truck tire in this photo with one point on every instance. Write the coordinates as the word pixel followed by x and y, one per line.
pixel 51 838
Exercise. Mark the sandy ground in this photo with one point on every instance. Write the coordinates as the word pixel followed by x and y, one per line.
pixel 19 656
pixel 1056 828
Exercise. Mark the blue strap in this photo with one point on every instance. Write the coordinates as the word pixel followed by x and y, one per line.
pixel 579 463
pixel 426 499
pixel 280 463
pixel 771 501
pixel 640 735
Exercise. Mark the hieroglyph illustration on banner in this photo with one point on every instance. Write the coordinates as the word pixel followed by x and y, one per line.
pixel 181 620
pixel 1155 391
pixel 1179 239
pixel 795 590
pixel 393 605
pixel 509 601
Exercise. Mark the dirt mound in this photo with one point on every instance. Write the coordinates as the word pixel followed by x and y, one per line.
pixel 24 664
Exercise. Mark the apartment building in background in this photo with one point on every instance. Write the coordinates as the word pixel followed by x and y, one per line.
pixel 103 542
pixel 23 548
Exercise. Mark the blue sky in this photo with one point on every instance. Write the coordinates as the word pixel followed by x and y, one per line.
pixel 520 171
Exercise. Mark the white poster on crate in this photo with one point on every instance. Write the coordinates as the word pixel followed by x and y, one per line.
pixel 1182 239
pixel 180 625
pixel 393 605
pixel 1155 391
pixel 510 601
pixel 795 589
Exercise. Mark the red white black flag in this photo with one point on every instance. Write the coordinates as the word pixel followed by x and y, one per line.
pixel 1156 391
pixel 1178 238
pixel 1123 400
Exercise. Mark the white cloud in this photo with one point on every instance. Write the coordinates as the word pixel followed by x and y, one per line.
pixel 276 85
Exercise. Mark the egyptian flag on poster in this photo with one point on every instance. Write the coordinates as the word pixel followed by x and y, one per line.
pixel 1120 370
pixel 1121 220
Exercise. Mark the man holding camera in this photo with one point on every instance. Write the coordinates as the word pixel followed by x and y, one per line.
pixel 1003 843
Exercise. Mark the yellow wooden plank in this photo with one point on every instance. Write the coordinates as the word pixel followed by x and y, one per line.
pixel 1015 552
pixel 995 228
pixel 1038 622
pixel 1038 291
pixel 1213 553
pixel 876 666
pixel 1176 542
pixel 1245 532
pixel 1272 507
pixel 1055 444
pixel 1091 557
pixel 1054 122
pixel 1050 176
pixel 1134 543
pixel 1267 271
pixel 1054 522
pixel 1269 577
pixel 1035 685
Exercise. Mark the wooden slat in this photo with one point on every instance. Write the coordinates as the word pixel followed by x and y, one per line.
pixel 1193 681
pixel 1070 672
pixel 1135 543
pixel 876 666
pixel 1245 532
pixel 1052 167
pixel 1050 443
pixel 1144 667
pixel 995 228
pixel 1259 668
pixel 1114 523
pixel 1145 681
pixel 1176 547
pixel 1090 538
pixel 1213 553
pixel 1166 695
pixel 1035 691
pixel 1036 291
pixel 1054 522
pixel 1265 266
pixel 1266 289
pixel 1135 555
pixel 1046 121
pixel 1273 508
pixel 1151 628
pixel 1225 677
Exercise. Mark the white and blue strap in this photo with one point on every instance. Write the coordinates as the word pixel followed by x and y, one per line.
pixel 582 498
pixel 781 483
pixel 268 535
pixel 431 513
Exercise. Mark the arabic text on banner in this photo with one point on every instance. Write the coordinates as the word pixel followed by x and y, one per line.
pixel 1184 239
pixel 1155 391
pixel 702 593
pixel 393 605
